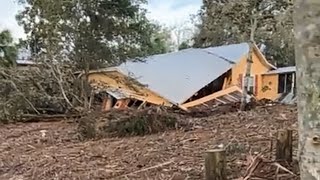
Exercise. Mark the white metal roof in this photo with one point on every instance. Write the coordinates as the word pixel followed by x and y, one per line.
pixel 25 62
pixel 178 76
pixel 289 69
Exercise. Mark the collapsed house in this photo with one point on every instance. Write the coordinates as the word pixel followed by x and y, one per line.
pixel 190 78
pixel 25 65
pixel 24 60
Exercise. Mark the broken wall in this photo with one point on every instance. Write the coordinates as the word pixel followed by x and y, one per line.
pixel 119 81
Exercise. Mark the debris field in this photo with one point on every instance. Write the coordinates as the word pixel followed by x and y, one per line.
pixel 53 150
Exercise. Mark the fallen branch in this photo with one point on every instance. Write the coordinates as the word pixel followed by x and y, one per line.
pixel 23 96
pixel 147 169
pixel 253 166
pixel 59 81
pixel 48 118
pixel 283 168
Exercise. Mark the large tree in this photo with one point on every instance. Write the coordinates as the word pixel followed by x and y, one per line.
pixel 8 50
pixel 160 40
pixel 92 33
pixel 227 22
pixel 184 45
pixel 307 46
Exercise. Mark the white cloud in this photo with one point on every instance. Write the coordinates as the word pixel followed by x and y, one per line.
pixel 175 14
pixel 8 11
pixel 170 14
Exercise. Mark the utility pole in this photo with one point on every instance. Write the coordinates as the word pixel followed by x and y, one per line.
pixel 307 53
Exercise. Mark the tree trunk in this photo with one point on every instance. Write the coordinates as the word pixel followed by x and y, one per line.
pixel 86 87
pixel 249 63
pixel 307 52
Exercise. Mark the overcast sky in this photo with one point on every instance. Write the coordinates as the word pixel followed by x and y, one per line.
pixel 169 12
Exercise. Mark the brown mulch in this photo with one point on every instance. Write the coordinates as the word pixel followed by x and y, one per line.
pixel 54 151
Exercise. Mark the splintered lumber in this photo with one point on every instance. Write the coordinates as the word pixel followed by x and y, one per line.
pixel 253 166
pixel 213 96
pixel 149 168
pixel 284 145
pixel 215 165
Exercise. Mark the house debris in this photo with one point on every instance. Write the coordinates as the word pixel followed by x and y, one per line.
pixel 24 60
pixel 189 78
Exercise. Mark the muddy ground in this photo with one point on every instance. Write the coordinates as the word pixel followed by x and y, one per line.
pixel 53 150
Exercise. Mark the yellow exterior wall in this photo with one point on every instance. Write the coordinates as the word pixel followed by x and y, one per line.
pixel 115 79
pixel 257 69
pixel 270 86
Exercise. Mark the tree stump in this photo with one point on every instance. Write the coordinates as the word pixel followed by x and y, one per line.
pixel 284 145
pixel 215 165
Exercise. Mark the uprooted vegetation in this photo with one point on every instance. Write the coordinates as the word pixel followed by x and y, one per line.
pixel 141 122
pixel 42 90
pixel 130 122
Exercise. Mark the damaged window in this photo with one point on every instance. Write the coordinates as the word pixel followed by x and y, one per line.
pixel 285 83
pixel 251 84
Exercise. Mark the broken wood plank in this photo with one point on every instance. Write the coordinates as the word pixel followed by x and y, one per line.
pixel 234 98
pixel 227 97
pixel 213 96
pixel 223 102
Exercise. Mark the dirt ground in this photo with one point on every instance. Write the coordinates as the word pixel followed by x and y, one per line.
pixel 53 150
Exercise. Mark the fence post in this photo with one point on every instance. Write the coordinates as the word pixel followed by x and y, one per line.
pixel 215 165
pixel 284 145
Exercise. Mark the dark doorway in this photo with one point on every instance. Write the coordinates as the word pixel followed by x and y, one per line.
pixel 285 83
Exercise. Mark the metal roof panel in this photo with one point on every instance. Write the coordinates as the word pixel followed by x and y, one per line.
pixel 233 52
pixel 178 76
pixel 116 93
pixel 283 70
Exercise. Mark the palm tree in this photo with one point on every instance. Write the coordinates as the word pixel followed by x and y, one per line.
pixel 8 50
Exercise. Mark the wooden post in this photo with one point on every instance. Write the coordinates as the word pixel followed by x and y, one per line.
pixel 284 145
pixel 215 165
pixel 293 83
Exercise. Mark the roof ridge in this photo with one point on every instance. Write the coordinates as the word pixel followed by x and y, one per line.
pixel 221 57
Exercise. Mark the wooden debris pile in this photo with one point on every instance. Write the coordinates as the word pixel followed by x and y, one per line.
pixel 53 150
pixel 128 122
pixel 258 167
